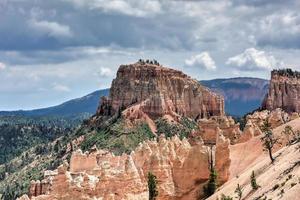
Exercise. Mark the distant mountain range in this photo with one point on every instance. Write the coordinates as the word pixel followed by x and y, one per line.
pixel 242 95
pixel 84 105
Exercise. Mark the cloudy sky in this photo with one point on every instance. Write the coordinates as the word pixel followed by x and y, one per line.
pixel 52 51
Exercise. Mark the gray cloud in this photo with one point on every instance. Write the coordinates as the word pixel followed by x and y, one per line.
pixel 80 43
pixel 52 29
pixel 280 30
pixel 258 3
pixel 2 66
pixel 138 8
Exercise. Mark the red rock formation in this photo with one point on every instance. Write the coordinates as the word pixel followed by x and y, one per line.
pixel 251 130
pixel 212 127
pixel 284 91
pixel 181 171
pixel 275 117
pixel 160 91
pixel 222 159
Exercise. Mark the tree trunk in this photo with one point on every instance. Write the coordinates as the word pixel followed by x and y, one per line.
pixel 271 156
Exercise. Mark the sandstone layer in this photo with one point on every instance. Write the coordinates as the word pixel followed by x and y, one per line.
pixel 284 91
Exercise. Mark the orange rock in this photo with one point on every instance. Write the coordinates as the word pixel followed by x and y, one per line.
pixel 181 171
pixel 284 91
pixel 212 127
pixel 222 159
pixel 276 117
pixel 251 130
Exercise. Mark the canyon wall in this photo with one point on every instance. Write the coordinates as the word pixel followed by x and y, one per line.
pixel 284 91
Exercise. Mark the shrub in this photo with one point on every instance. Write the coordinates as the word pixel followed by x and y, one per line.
pixel 275 187
pixel 224 197
pixel 293 184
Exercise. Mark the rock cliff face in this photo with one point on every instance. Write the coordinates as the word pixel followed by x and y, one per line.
pixel 210 129
pixel 284 91
pixel 157 91
pixel 181 171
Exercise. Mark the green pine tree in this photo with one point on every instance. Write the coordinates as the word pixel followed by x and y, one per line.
pixel 269 140
pixel 254 185
pixel 211 186
pixel 152 186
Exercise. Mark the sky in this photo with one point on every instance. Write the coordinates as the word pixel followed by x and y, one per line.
pixel 53 51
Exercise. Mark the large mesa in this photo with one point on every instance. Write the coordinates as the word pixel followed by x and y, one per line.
pixel 150 90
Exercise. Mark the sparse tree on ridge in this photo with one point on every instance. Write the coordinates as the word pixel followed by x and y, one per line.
pixel 254 185
pixel 269 140
pixel 288 132
pixel 239 192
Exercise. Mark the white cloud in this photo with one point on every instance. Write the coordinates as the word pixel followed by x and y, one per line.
pixel 53 29
pixel 2 66
pixel 139 8
pixel 61 88
pixel 202 60
pixel 253 59
pixel 105 72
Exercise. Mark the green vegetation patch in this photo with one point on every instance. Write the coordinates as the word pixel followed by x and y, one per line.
pixel 118 138
pixel 182 129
